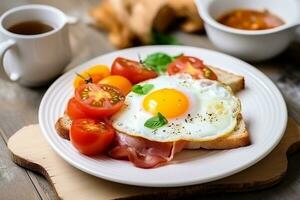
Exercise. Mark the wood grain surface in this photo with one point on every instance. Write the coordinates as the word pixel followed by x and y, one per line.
pixel 38 156
pixel 19 106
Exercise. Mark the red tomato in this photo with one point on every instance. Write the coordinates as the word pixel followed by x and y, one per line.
pixel 134 71
pixel 191 65
pixel 74 111
pixel 99 100
pixel 91 137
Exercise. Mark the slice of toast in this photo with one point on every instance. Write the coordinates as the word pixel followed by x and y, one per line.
pixel 238 138
pixel 63 125
pixel 234 81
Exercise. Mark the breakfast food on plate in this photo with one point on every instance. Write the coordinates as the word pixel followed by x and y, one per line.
pixel 248 19
pixel 147 110
pixel 129 21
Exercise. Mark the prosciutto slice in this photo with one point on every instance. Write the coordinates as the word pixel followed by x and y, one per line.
pixel 144 153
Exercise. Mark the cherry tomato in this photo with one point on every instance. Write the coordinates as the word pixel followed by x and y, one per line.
pixel 91 137
pixel 91 75
pixel 120 82
pixel 134 71
pixel 99 100
pixel 191 65
pixel 74 110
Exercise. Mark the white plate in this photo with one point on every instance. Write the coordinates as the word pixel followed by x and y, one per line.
pixel 263 108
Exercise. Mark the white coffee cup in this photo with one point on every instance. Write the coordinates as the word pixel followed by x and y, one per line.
pixel 33 60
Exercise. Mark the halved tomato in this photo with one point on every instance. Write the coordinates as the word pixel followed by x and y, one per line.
pixel 99 100
pixel 90 136
pixel 134 71
pixel 74 110
pixel 191 65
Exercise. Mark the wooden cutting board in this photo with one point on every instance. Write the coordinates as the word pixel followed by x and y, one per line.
pixel 29 149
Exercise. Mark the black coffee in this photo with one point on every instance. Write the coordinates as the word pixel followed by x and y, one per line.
pixel 30 28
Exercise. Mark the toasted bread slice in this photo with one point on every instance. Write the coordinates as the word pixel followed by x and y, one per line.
pixel 238 138
pixel 63 126
pixel 234 81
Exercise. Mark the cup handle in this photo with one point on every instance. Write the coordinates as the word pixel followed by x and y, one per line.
pixel 71 20
pixel 4 46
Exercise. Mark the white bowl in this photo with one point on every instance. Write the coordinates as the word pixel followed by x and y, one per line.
pixel 251 45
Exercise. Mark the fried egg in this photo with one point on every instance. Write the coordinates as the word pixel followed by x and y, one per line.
pixel 196 110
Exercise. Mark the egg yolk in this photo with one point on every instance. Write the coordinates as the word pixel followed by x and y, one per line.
pixel 169 102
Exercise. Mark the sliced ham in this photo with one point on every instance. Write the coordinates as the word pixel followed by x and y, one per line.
pixel 144 153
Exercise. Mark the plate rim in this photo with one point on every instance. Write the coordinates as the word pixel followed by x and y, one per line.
pixel 267 81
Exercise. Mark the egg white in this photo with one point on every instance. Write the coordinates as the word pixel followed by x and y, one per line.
pixel 212 113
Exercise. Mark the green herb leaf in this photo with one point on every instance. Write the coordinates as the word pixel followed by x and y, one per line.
pixel 142 89
pixel 162 38
pixel 158 62
pixel 156 121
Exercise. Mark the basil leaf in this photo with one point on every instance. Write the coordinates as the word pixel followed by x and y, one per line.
pixel 162 38
pixel 158 62
pixel 147 88
pixel 142 89
pixel 156 121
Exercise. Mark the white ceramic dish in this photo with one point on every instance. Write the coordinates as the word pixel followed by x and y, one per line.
pixel 264 111
pixel 251 45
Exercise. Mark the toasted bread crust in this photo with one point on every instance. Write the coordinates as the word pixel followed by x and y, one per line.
pixel 62 127
pixel 234 81
pixel 223 142
pixel 238 138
